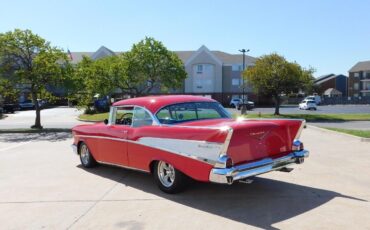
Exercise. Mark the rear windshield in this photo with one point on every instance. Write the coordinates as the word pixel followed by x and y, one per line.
pixel 310 102
pixel 191 111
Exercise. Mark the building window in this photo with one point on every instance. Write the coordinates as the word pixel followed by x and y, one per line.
pixel 235 82
pixel 367 75
pixel 237 67
pixel 199 68
pixel 355 86
pixel 356 75
pixel 355 95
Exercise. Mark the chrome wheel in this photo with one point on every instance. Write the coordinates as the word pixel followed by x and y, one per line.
pixel 166 174
pixel 84 154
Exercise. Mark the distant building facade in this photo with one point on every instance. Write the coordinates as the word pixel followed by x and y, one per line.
pixel 210 73
pixel 359 80
pixel 331 81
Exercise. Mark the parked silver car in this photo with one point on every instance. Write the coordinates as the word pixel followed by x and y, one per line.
pixel 237 104
pixel 308 105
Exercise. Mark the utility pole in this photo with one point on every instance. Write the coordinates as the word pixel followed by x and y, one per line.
pixel 243 108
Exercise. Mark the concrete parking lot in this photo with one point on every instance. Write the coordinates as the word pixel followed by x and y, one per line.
pixel 42 185
pixel 59 117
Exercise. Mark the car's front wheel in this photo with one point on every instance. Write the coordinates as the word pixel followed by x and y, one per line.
pixel 87 159
pixel 169 179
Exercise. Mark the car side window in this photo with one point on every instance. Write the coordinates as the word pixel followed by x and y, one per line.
pixel 123 115
pixel 141 118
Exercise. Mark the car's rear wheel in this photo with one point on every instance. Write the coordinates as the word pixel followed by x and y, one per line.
pixel 169 179
pixel 87 159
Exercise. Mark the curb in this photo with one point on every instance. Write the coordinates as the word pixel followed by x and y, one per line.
pixel 362 139
pixel 92 121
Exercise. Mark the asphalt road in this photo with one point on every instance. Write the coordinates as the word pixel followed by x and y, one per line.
pixel 326 109
pixel 42 185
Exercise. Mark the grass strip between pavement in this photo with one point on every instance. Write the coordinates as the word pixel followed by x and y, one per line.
pixel 94 117
pixel 316 117
pixel 307 117
pixel 358 133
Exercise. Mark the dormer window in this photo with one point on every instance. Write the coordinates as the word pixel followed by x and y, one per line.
pixel 199 68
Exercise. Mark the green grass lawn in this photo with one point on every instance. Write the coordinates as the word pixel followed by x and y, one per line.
pixel 359 133
pixel 94 117
pixel 317 117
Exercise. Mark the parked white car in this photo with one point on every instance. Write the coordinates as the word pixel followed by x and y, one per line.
pixel 315 98
pixel 237 103
pixel 308 105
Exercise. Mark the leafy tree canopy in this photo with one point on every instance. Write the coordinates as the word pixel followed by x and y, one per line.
pixel 274 75
pixel 29 60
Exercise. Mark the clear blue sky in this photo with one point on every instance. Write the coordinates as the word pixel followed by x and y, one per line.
pixel 328 35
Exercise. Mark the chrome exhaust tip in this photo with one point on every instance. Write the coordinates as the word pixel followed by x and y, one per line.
pixel 300 160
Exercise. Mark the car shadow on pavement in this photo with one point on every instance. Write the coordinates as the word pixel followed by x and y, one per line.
pixel 24 137
pixel 260 204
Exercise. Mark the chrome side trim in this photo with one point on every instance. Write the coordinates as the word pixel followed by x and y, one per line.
pixel 196 127
pixel 208 161
pixel 122 166
pixel 227 142
pixel 300 130
pixel 239 172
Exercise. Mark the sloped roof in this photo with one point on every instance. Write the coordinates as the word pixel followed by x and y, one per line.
pixel 360 66
pixel 323 77
pixel 77 56
pixel 224 57
pixel 327 77
pixel 332 91
pixel 227 58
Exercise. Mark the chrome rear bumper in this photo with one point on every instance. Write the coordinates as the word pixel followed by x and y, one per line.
pixel 239 172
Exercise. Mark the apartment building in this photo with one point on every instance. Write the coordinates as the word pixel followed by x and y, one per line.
pixel 215 74
pixel 359 80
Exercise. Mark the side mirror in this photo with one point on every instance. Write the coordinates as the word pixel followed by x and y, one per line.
pixel 106 121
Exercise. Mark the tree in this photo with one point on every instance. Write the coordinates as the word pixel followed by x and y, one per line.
pixel 274 75
pixel 146 66
pixel 150 65
pixel 100 77
pixel 31 61
pixel 7 90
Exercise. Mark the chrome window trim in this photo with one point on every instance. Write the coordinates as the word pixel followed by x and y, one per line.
pixel 155 113
pixel 114 108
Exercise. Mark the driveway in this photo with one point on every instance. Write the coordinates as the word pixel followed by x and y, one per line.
pixel 357 125
pixel 59 117
pixel 42 185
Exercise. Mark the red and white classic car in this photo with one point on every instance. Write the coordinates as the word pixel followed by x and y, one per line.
pixel 181 137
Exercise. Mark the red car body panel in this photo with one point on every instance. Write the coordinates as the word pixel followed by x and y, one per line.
pixel 138 147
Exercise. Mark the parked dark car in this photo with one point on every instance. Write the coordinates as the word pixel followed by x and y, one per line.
pixel 27 104
pixel 9 108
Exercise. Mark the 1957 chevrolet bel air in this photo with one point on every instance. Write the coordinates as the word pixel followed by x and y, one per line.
pixel 181 137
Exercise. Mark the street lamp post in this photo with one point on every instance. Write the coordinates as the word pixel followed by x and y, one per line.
pixel 243 108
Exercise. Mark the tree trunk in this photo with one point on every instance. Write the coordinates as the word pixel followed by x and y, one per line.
pixel 277 105
pixel 37 124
